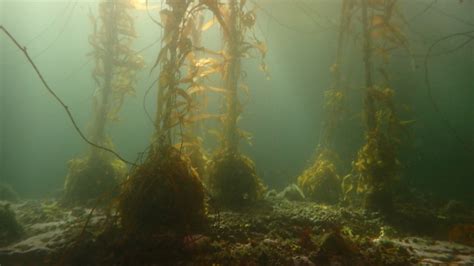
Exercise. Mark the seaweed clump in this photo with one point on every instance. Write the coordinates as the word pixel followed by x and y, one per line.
pixel 10 229
pixel 91 177
pixel 376 163
pixel 320 182
pixel 233 179
pixel 165 192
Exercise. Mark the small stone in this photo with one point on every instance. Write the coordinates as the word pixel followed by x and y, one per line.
pixel 302 261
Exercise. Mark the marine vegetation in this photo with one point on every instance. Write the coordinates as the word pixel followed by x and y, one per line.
pixel 320 182
pixel 10 229
pixel 93 177
pixel 197 64
pixel 376 166
pixel 232 177
pixel 234 181
pixel 165 191
pixel 97 173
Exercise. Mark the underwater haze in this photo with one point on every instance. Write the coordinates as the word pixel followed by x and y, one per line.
pixel 236 132
pixel 284 114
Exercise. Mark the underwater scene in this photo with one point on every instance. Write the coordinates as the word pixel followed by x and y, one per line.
pixel 236 132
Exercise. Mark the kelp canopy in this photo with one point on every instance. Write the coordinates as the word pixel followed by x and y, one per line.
pixel 116 65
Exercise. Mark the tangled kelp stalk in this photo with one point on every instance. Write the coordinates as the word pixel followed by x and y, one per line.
pixel 116 65
pixel 192 132
pixel 232 177
pixel 165 192
pixel 376 165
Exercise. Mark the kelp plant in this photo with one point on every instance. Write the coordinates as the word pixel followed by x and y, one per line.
pixel 165 192
pixel 376 165
pixel 320 181
pixel 233 180
pixel 197 65
pixel 97 173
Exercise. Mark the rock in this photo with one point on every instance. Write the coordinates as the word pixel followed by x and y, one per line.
pixel 437 252
pixel 336 249
pixel 77 212
pixel 302 261
pixel 292 192
pixel 453 208
pixel 270 242
pixel 10 229
pixel 196 243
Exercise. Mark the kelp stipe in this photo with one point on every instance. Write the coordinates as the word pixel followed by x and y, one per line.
pixel 320 182
pixel 116 63
pixel 165 191
pixel 232 176
pixel 376 168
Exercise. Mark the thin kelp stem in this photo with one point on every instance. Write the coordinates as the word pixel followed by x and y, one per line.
pixel 334 96
pixel 169 77
pixel 345 21
pixel 61 102
pixel 116 63
pixel 232 76
pixel 369 100
pixel 110 29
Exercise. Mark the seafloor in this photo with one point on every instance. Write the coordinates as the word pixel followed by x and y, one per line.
pixel 277 231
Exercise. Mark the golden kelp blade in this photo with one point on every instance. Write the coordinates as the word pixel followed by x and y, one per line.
pixel 209 24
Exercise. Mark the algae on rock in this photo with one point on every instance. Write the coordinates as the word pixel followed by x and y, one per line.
pixel 320 183
pixel 10 229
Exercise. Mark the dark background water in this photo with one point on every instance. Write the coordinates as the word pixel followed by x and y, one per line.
pixel 284 114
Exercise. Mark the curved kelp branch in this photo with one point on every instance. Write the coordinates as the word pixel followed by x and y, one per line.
pixel 61 102
pixel 469 35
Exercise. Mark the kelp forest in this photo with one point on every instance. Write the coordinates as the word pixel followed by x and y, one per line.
pixel 236 132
